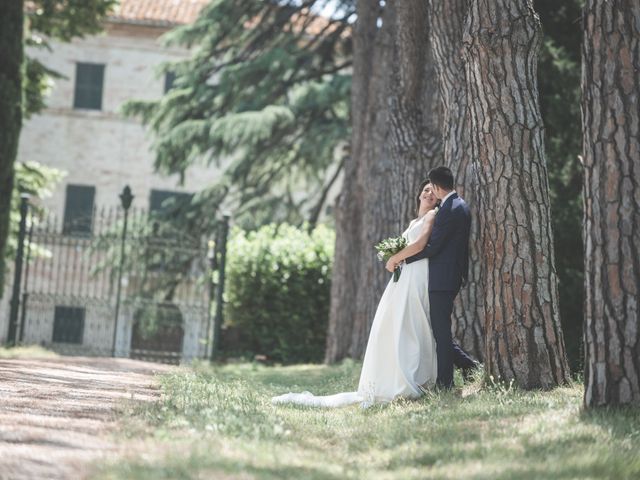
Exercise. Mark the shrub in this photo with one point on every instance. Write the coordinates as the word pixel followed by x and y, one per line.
pixel 278 287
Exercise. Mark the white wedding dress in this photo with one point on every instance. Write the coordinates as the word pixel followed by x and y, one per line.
pixel 401 351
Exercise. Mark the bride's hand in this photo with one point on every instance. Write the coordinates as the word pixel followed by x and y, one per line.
pixel 391 265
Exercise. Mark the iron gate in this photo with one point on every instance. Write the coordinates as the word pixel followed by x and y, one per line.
pixel 121 283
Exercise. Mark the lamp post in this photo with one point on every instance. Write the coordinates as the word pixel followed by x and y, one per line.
pixel 126 198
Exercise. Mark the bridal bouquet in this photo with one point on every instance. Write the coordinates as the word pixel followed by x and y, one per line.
pixel 389 247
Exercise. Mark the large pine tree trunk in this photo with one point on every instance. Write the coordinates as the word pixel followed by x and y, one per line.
pixel 396 138
pixel 365 94
pixel 376 214
pixel 611 123
pixel 414 139
pixel 447 26
pixel 11 27
pixel 524 340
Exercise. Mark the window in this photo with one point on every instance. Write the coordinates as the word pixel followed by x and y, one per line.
pixel 68 324
pixel 88 89
pixel 169 79
pixel 78 210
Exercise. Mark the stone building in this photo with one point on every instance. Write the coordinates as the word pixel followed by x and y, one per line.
pixel 83 133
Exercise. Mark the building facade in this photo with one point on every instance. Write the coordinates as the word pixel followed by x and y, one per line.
pixel 83 133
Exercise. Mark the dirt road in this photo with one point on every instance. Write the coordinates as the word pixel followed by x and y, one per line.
pixel 56 414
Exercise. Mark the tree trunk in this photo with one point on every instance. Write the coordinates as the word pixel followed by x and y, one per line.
pixel 447 25
pixel 377 213
pixel 523 335
pixel 11 36
pixel 345 286
pixel 611 124
pixel 396 138
pixel 414 139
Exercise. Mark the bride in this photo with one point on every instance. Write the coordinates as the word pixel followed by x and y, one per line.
pixel 400 360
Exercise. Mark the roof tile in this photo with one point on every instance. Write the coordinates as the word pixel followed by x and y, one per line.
pixel 158 12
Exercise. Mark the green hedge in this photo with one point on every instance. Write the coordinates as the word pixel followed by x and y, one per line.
pixel 278 289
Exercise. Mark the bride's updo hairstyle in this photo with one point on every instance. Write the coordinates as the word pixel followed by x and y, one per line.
pixel 442 177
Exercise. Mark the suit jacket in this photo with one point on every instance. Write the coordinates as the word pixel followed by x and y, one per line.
pixel 448 247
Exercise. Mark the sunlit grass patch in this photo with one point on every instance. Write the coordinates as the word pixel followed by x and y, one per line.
pixel 26 351
pixel 218 422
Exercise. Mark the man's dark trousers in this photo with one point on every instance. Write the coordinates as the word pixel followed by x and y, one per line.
pixel 448 352
pixel 448 251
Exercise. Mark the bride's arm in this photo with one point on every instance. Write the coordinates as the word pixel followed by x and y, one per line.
pixel 417 245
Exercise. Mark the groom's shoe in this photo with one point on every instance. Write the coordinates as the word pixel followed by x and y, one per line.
pixel 468 372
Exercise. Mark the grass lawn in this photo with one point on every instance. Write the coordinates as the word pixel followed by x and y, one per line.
pixel 218 422
pixel 29 351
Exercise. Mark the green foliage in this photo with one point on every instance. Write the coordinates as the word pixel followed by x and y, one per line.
pixel 278 287
pixel 37 82
pixel 265 97
pixel 218 422
pixel 38 182
pixel 68 19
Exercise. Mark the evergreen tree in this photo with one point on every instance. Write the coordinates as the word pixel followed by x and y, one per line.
pixel 264 97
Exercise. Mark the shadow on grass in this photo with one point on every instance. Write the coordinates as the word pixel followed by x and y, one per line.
pixel 619 422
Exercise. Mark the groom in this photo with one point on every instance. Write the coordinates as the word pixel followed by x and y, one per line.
pixel 448 253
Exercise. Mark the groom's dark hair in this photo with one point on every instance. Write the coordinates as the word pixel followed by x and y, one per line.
pixel 442 177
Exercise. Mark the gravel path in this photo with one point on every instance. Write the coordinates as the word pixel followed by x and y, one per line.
pixel 56 414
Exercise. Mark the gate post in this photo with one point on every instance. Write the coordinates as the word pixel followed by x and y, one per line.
pixel 126 198
pixel 212 265
pixel 17 274
pixel 217 320
pixel 25 293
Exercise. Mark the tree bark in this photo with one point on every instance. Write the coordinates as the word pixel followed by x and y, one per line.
pixel 11 53
pixel 414 139
pixel 345 286
pixel 377 213
pixel 447 26
pixel 396 138
pixel 524 340
pixel 611 124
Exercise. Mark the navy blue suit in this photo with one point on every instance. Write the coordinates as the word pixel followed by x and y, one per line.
pixel 448 254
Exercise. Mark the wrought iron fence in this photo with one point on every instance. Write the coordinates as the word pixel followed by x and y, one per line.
pixel 121 283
